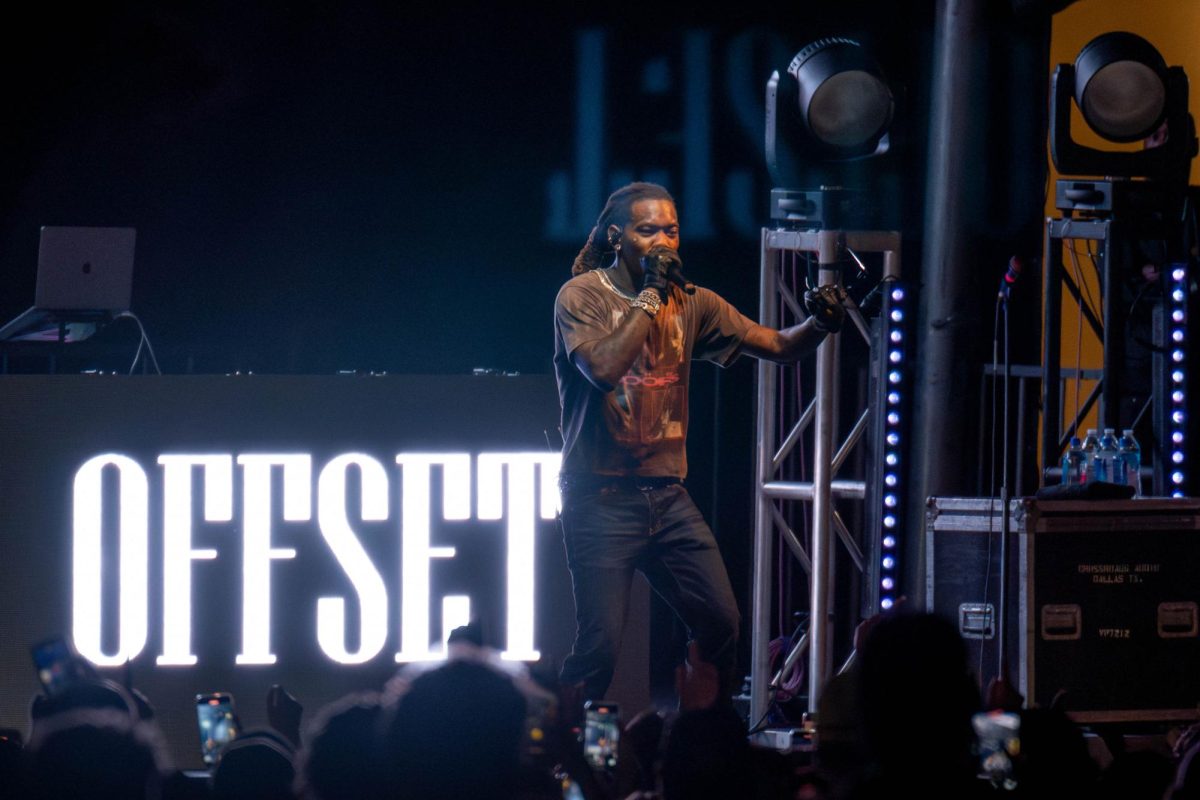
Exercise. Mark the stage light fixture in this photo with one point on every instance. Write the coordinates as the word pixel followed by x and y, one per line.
pixel 1121 86
pixel 842 97
pixel 1125 92
pixel 832 105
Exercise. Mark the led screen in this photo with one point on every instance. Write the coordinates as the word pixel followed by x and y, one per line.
pixel 225 533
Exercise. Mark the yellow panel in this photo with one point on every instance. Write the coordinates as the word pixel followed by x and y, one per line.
pixel 1173 27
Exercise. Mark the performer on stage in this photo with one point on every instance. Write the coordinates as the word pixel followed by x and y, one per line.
pixel 625 334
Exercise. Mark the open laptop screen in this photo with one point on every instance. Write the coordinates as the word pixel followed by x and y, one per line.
pixel 84 269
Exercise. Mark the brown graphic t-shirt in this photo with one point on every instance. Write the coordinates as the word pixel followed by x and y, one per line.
pixel 639 427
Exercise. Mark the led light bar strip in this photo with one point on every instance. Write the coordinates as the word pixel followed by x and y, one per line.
pixel 889 553
pixel 1177 419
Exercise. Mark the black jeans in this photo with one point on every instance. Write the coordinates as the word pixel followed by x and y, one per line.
pixel 612 529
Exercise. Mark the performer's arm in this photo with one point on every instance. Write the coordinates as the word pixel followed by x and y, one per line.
pixel 605 361
pixel 785 346
pixel 792 344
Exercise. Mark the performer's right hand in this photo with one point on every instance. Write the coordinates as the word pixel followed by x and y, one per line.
pixel 656 268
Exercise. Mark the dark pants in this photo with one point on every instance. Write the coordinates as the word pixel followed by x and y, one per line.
pixel 611 530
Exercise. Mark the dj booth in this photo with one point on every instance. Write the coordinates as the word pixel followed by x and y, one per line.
pixel 226 533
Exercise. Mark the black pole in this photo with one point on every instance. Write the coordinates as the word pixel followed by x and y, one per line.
pixel 945 315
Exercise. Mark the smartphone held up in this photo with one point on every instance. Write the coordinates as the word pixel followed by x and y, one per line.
pixel 218 723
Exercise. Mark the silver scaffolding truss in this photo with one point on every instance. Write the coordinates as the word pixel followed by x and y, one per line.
pixel 775 450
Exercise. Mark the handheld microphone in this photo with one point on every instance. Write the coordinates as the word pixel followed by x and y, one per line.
pixel 674 268
pixel 675 275
pixel 1015 267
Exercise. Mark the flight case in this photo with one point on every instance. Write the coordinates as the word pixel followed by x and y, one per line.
pixel 1103 600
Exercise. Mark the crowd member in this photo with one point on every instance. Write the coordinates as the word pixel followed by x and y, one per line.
pixel 917 699
pixel 96 754
pixel 340 759
pixel 257 765
pixel 455 733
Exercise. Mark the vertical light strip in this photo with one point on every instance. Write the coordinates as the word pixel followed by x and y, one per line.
pixel 1176 450
pixel 893 371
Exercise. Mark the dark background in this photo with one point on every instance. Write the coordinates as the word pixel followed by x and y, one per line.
pixel 320 187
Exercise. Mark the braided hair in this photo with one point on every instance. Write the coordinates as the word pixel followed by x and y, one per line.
pixel 617 211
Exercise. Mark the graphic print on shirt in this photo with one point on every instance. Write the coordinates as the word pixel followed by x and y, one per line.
pixel 648 405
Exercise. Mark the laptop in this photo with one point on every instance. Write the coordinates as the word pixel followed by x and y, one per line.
pixel 84 278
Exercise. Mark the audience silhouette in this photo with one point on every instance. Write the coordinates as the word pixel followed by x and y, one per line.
pixel 897 723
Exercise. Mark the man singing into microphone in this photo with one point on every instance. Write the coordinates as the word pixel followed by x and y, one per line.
pixel 625 334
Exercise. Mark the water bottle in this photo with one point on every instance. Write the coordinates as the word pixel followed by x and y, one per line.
pixel 1091 444
pixel 1073 463
pixel 1106 458
pixel 1131 454
pixel 1110 453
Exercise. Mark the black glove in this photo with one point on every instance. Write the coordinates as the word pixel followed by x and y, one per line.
pixel 656 268
pixel 825 305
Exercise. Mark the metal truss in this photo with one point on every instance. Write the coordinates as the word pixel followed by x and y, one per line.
pixel 777 450
pixel 1163 457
